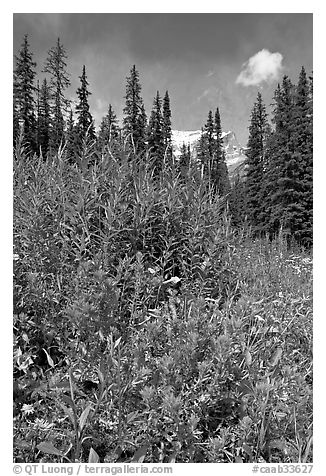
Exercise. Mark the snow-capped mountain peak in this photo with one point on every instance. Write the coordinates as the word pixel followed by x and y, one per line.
pixel 234 152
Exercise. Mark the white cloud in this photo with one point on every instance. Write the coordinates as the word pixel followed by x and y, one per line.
pixel 204 94
pixel 210 93
pixel 263 66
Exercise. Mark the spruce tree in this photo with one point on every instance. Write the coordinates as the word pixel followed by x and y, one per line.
pixel 38 93
pixel 211 139
pixel 303 140
pixel 184 160
pixel 109 136
pixel 220 171
pixel 167 128
pixel 109 129
pixel 71 137
pixel 155 134
pixel 24 100
pixel 85 124
pixel 134 122
pixel 212 155
pixel 16 124
pixel 255 164
pixel 206 148
pixel 56 66
pixel 43 120
pixel 142 124
pixel 202 153
pixel 267 187
pixel 283 171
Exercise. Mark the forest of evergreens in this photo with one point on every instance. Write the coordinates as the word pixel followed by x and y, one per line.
pixel 162 309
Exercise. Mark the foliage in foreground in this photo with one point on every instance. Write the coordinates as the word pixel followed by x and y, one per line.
pixel 112 362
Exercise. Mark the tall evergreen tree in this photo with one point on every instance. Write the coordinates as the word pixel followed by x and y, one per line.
pixel 109 133
pixel 43 120
pixel 258 130
pixel 24 90
pixel 155 134
pixel 85 124
pixel 211 138
pixel 56 66
pixel 16 124
pixel 220 170
pixel 71 137
pixel 207 147
pixel 184 160
pixel 202 152
pixel 38 93
pixel 283 171
pixel 212 154
pixel 167 128
pixel 304 153
pixel 142 123
pixel 134 122
pixel 109 129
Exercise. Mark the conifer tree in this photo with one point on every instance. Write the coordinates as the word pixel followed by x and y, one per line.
pixel 220 170
pixel 212 154
pixel 167 128
pixel 255 164
pixel 155 134
pixel 143 128
pixel 304 154
pixel 184 160
pixel 311 87
pixel 85 124
pixel 283 170
pixel 134 122
pixel 109 129
pixel 16 125
pixel 56 66
pixel 24 90
pixel 38 93
pixel 202 152
pixel 189 153
pixel 43 120
pixel 211 139
pixel 207 147
pixel 288 196
pixel 71 137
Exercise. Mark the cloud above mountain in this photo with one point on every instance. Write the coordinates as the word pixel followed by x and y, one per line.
pixel 264 66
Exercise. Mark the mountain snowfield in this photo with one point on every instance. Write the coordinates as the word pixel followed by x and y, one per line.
pixel 234 152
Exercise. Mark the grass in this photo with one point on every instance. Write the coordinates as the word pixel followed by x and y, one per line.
pixel 112 362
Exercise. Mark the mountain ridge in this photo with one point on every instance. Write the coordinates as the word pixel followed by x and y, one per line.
pixel 234 152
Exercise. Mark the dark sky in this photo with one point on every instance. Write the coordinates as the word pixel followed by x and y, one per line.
pixel 204 60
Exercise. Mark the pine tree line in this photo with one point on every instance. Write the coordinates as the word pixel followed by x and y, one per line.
pixel 45 118
pixel 277 193
pixel 48 121
pixel 211 154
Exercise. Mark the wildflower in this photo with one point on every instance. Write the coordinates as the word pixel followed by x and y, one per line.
pixel 173 280
pixel 28 409
pixel 307 260
pixel 147 393
pixel 42 424
pixel 15 257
